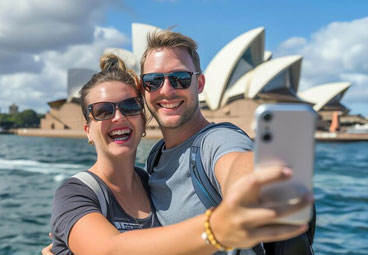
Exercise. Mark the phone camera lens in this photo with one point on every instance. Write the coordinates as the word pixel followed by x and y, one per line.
pixel 267 137
pixel 267 117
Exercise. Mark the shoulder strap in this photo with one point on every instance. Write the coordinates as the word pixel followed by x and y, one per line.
pixel 203 187
pixel 302 244
pixel 206 192
pixel 154 156
pixel 142 173
pixel 91 182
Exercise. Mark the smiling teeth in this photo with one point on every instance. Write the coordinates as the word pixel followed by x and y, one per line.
pixel 120 132
pixel 170 106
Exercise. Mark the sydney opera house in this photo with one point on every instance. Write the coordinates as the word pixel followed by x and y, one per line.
pixel 240 77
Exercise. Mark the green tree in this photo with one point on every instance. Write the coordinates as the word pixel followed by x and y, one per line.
pixel 27 118
pixel 5 121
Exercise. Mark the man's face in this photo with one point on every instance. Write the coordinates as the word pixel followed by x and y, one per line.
pixel 172 107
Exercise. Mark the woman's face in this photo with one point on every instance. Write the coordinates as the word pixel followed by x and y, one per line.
pixel 121 134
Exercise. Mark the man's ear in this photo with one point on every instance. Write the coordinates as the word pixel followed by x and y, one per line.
pixel 201 82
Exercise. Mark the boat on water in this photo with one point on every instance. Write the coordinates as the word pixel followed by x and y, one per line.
pixel 358 129
pixel 5 131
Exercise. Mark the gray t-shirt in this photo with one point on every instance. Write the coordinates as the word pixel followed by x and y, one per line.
pixel 172 191
pixel 74 199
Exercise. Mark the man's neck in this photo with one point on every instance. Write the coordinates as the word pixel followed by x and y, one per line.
pixel 176 136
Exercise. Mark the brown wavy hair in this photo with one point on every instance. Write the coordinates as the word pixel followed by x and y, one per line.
pixel 112 69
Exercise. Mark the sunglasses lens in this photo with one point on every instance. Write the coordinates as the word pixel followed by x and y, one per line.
pixel 103 111
pixel 130 106
pixel 180 80
pixel 153 81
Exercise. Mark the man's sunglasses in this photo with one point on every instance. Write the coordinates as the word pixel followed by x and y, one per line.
pixel 178 80
pixel 106 110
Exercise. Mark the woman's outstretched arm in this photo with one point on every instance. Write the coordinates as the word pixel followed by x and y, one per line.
pixel 239 221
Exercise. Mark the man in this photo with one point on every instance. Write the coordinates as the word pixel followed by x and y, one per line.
pixel 172 80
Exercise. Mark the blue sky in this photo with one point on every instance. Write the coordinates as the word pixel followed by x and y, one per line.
pixel 213 23
pixel 40 39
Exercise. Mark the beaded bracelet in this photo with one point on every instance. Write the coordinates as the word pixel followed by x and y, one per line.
pixel 208 235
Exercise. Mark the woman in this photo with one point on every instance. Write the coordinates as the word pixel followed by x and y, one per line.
pixel 115 122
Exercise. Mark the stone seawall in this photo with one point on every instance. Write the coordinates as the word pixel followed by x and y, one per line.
pixel 156 134
pixel 51 132
pixel 151 133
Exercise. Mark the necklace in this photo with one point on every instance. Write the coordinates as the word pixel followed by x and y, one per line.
pixel 136 223
pixel 140 225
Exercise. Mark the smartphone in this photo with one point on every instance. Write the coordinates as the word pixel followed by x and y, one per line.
pixel 285 135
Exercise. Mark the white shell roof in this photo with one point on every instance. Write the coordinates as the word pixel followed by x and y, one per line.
pixel 127 56
pixel 77 77
pixel 267 55
pixel 222 65
pixel 239 88
pixel 321 95
pixel 265 72
pixel 139 38
pixel 255 80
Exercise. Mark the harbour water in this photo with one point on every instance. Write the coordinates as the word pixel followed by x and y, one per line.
pixel 31 168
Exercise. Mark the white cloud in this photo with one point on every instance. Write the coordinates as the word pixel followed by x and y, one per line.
pixel 38 25
pixel 86 55
pixel 292 46
pixel 337 52
pixel 35 53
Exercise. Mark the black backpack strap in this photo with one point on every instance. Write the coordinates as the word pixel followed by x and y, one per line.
pixel 301 244
pixel 154 156
pixel 312 226
pixel 205 190
pixel 207 193
pixel 142 174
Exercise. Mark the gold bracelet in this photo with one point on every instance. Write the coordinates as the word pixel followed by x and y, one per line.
pixel 208 235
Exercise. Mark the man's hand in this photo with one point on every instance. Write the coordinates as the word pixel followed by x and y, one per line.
pixel 242 220
pixel 47 249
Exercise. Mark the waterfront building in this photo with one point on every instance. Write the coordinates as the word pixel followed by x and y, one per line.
pixel 13 109
pixel 240 77
pixel 65 113
pixel 243 75
pixel 326 100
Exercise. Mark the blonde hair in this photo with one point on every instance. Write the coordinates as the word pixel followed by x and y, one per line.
pixel 169 39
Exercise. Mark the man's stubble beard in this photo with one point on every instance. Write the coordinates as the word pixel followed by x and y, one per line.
pixel 184 118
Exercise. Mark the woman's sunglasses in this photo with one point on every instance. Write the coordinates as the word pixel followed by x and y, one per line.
pixel 106 110
pixel 178 80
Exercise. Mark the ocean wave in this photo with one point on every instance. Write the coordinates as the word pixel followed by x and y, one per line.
pixel 34 166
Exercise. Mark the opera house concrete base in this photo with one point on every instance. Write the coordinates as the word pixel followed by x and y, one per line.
pixel 72 133
pixel 239 112
pixel 320 136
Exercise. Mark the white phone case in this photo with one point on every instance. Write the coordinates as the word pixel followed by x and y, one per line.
pixel 285 134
